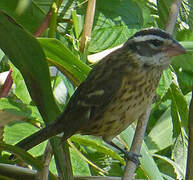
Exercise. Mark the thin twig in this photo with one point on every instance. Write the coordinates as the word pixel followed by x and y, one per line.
pixel 62 158
pixel 44 25
pixel 172 17
pixel 89 19
pixel 123 142
pixel 17 172
pixel 130 167
pixel 96 178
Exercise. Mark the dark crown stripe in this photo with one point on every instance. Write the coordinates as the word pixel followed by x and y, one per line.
pixel 156 32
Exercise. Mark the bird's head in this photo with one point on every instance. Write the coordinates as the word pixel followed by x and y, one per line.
pixel 154 47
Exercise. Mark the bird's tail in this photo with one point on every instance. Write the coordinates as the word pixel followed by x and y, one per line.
pixel 40 136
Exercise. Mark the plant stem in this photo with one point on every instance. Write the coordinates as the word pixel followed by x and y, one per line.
pixel 53 19
pixel 172 17
pixel 89 19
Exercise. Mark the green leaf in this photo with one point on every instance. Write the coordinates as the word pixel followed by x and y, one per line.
pixel 31 62
pixel 188 45
pixel 21 153
pixel 163 11
pixel 12 109
pixel 178 171
pixel 20 87
pixel 15 132
pixel 183 66
pixel 99 154
pixel 164 83
pixel 98 146
pixel 61 57
pixel 77 25
pixel 25 17
pixel 179 110
pixel 114 22
pixel 80 167
pixel 160 137
pixel 184 35
pixel 186 13
pixel 37 164
pixel 26 54
pixel 179 154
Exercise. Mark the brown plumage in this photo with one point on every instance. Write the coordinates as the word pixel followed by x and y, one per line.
pixel 117 91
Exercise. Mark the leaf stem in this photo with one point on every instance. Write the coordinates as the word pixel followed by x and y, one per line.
pixel 53 19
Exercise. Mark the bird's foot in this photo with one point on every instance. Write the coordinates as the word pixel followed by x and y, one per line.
pixel 132 157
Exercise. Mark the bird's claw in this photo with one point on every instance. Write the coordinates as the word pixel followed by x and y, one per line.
pixel 133 157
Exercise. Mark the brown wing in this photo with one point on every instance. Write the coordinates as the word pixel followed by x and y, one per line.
pixel 93 96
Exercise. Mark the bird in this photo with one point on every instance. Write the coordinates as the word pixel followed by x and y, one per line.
pixel 117 91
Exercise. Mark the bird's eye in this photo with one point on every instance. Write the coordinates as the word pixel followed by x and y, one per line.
pixel 156 42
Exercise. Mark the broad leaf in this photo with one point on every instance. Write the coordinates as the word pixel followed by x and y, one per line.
pixel 23 12
pixel 61 57
pixel 160 137
pixel 115 21
pixel 179 110
pixel 26 54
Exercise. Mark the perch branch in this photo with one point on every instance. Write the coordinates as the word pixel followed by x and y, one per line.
pixel 130 167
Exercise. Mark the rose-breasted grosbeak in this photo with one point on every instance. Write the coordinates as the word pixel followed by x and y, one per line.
pixel 117 91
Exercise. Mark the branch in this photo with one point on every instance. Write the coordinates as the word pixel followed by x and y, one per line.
pixel 172 17
pixel 63 163
pixel 89 19
pixel 130 167
pixel 13 171
pixel 47 157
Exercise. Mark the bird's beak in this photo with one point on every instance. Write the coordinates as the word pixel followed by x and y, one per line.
pixel 175 49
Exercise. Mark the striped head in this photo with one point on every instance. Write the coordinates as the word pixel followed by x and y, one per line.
pixel 153 47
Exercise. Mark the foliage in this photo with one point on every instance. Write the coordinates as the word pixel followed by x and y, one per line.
pixel 164 150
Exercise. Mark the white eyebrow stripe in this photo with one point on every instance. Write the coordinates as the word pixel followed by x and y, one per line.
pixel 147 37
